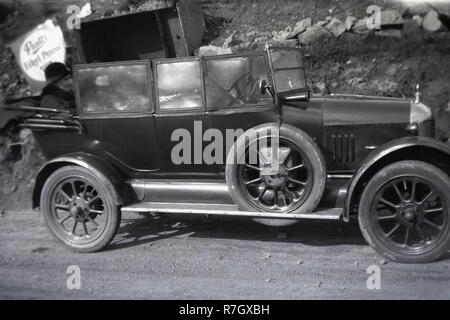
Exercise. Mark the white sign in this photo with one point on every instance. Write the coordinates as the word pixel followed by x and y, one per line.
pixel 42 46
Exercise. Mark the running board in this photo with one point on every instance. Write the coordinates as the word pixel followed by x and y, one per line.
pixel 226 210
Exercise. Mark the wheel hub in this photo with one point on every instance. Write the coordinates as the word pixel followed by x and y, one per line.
pixel 276 179
pixel 409 214
pixel 79 209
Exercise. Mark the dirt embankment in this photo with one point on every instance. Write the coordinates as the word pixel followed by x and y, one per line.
pixel 387 62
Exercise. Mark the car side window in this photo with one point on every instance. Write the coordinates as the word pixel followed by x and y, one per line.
pixel 179 85
pixel 114 88
pixel 233 82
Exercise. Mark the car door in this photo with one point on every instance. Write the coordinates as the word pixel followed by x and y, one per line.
pixel 233 98
pixel 119 97
pixel 181 117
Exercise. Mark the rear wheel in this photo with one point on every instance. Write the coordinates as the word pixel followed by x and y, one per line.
pixel 79 209
pixel 404 212
pixel 291 182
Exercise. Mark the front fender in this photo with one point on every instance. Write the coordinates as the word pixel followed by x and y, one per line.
pixel 97 165
pixel 384 154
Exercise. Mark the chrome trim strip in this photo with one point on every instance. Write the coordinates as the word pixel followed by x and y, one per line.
pixel 339 176
pixel 227 210
pixel 179 191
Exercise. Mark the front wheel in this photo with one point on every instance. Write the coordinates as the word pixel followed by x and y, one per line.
pixel 79 209
pixel 277 170
pixel 404 212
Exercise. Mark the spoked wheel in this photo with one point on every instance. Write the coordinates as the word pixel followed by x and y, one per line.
pixel 404 212
pixel 279 188
pixel 79 209
pixel 285 177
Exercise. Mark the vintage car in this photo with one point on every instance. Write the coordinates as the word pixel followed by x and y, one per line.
pixel 324 157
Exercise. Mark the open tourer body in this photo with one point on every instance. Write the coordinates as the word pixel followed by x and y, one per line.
pixel 176 135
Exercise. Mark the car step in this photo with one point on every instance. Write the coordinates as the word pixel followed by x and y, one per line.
pixel 226 210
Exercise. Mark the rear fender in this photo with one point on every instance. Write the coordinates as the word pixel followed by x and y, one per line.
pixel 101 168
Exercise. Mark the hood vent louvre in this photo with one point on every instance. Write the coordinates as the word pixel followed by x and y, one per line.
pixel 343 147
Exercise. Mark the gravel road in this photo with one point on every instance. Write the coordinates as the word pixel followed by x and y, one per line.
pixel 182 257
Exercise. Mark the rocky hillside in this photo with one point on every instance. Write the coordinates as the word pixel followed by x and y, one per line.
pixel 411 47
pixel 342 53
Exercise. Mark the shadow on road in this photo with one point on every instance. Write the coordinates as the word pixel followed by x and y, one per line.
pixel 147 229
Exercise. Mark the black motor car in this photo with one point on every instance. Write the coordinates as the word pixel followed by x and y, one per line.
pixel 149 136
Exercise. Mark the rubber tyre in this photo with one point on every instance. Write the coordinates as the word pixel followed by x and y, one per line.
pixel 104 187
pixel 441 182
pixel 310 149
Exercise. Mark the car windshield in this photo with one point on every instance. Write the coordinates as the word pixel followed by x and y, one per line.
pixel 288 69
pixel 232 82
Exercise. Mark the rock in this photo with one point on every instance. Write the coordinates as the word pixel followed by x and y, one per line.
pixel 300 27
pixel 282 35
pixel 312 34
pixel 336 27
pixel 350 22
pixel 266 256
pixel 178 225
pixel 391 18
pixel 354 82
pixel 431 21
pixel 213 51
pixel 25 134
pixel 229 40
pixel 321 87
pixel 5 78
pixel 321 23
pixel 328 18
pixel 417 19
pixel 39 250
pixel 411 27
pixel 360 26
pixel 249 36
pixel 383 262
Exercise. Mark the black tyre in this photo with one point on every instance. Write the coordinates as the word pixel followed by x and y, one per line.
pixel 79 209
pixel 295 185
pixel 404 212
